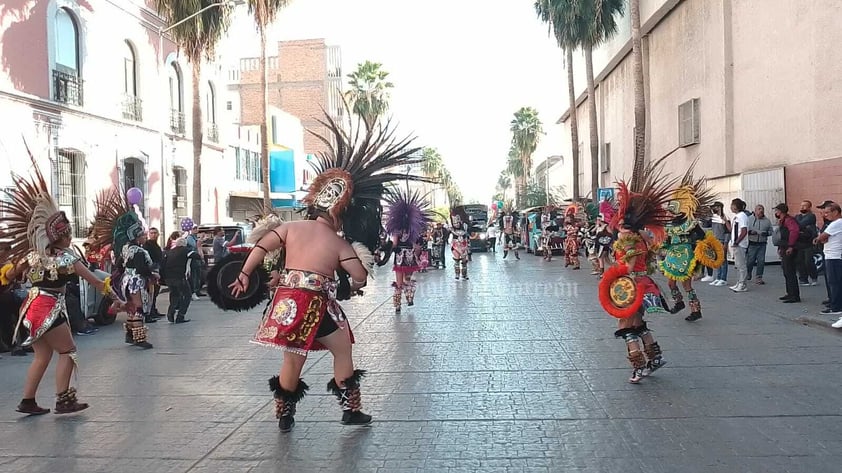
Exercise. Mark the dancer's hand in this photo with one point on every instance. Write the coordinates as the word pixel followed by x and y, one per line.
pixel 240 285
pixel 275 279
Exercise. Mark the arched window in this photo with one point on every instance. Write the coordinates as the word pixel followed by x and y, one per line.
pixel 132 109
pixel 176 99
pixel 134 175
pixel 129 70
pixel 210 114
pixel 67 81
pixel 67 41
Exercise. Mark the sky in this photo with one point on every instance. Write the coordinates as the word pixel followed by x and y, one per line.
pixel 461 68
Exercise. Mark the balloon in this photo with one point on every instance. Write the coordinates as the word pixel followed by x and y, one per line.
pixel 499 204
pixel 134 196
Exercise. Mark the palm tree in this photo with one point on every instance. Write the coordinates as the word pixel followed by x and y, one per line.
pixel 369 91
pixel 514 167
pixel 598 25
pixel 197 39
pixel 504 183
pixel 265 12
pixel 556 14
pixel 526 129
pixel 432 163
pixel 639 99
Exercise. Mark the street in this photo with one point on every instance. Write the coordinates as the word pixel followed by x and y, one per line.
pixel 515 370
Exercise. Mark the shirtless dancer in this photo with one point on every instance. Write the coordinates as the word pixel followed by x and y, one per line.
pixel 304 314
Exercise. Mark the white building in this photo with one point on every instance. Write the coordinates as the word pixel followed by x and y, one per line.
pixel 100 105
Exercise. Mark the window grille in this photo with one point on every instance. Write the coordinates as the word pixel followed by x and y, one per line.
pixel 70 175
pixel 180 197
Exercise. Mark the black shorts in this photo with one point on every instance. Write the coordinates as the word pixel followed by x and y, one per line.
pixel 327 327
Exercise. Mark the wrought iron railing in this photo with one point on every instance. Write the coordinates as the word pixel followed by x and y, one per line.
pixel 132 108
pixel 177 122
pixel 213 133
pixel 67 88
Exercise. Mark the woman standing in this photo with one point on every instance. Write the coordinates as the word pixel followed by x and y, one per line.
pixel 40 238
pixel 571 240
pixel 408 215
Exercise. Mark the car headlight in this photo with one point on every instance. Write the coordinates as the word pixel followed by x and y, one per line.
pixel 482 236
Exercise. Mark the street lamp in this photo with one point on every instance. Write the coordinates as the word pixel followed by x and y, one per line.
pixel 161 59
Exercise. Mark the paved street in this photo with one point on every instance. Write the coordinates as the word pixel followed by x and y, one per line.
pixel 514 370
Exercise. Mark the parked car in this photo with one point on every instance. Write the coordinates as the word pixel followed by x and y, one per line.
pixel 236 233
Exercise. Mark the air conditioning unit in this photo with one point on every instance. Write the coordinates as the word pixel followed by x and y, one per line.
pixel 689 127
pixel 180 202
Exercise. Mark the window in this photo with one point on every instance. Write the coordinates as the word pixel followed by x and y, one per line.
pixel 210 104
pixel 176 100
pixel 70 175
pixel 132 109
pixel 134 175
pixel 180 197
pixel 274 130
pixel 229 106
pixel 67 81
pixel 581 176
pixel 238 165
pixel 606 158
pixel 688 123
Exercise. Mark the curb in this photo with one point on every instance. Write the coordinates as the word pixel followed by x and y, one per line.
pixel 816 322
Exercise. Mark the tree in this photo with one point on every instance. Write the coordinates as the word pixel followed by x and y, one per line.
pixel 526 131
pixel 639 99
pixel 264 13
pixel 369 92
pixel 514 167
pixel 537 195
pixel 556 13
pixel 432 164
pixel 197 39
pixel 597 25
pixel 504 183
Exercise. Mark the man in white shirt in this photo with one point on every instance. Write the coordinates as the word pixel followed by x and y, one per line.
pixel 831 238
pixel 739 243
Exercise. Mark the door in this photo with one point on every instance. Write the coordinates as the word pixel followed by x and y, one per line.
pixel 767 189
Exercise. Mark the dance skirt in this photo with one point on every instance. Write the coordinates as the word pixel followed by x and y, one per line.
pixel 406 261
pixel 679 262
pixel 302 304
pixel 42 311
pixel 459 249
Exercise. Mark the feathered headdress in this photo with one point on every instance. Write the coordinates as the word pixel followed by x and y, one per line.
pixel 353 173
pixel 692 196
pixel 110 204
pixel 645 208
pixel 33 220
pixel 408 212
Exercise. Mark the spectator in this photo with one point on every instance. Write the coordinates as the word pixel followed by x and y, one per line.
pixel 220 245
pixel 831 238
pixel 721 230
pixel 759 230
pixel 171 240
pixel 739 243
pixel 807 273
pixel 787 238
pixel 820 248
pixel 492 238
pixel 194 244
pixel 176 269
pixel 157 254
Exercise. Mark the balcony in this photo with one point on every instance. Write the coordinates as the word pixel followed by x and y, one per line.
pixel 213 133
pixel 177 122
pixel 67 88
pixel 132 108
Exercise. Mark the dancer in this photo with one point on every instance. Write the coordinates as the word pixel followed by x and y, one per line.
pixel 408 215
pixel 510 233
pixel 687 245
pixel 304 314
pixel 603 244
pixel 41 251
pixel 627 291
pixel 460 244
pixel 118 224
pixel 571 239
pixel 549 231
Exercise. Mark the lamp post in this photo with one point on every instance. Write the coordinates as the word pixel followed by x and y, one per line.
pixel 161 59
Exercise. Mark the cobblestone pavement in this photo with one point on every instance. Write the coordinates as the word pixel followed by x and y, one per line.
pixel 514 370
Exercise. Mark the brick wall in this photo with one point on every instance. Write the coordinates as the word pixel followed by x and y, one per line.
pixel 816 181
pixel 297 84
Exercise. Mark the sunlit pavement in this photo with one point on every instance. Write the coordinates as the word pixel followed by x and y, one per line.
pixel 514 370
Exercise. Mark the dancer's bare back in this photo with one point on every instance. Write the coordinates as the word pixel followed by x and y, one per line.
pixel 314 246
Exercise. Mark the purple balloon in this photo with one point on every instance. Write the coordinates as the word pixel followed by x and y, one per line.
pixel 134 196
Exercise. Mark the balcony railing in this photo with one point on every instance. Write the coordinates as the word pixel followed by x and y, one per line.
pixel 213 133
pixel 132 108
pixel 67 88
pixel 177 122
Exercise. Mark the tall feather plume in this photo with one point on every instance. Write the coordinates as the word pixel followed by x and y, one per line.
pixel 646 207
pixel 366 257
pixel 109 204
pixel 408 212
pixel 28 199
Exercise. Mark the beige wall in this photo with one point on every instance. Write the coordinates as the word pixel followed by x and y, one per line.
pixel 780 105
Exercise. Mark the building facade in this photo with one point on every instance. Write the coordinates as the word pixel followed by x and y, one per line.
pixel 100 104
pixel 304 78
pixel 753 97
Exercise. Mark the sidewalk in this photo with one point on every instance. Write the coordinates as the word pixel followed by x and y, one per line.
pixel 516 370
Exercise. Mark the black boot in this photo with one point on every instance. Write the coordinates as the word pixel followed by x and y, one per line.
pixel 285 402
pixel 350 399
pixel 678 307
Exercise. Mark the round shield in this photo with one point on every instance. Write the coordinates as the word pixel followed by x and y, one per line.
pixel 225 273
pixel 623 292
